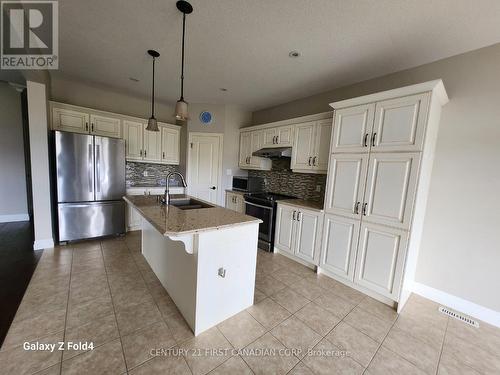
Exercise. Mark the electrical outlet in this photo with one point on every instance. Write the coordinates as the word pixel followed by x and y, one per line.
pixel 318 188
pixel 145 173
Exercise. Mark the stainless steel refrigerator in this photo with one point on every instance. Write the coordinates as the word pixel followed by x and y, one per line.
pixel 90 174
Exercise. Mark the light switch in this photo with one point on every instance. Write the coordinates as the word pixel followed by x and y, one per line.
pixel 229 172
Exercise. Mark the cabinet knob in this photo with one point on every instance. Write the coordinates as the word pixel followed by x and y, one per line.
pixel 365 205
pixel 314 160
pixel 374 137
pixel 86 126
pixel 365 141
pixel 309 162
pixel 163 154
pixel 299 215
pixel 356 207
pixel 293 215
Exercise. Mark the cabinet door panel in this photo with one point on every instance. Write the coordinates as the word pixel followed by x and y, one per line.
pixel 380 259
pixel 152 145
pixel 245 148
pixel 105 126
pixel 352 127
pixel 285 225
pixel 346 184
pixel 270 137
pixel 255 144
pixel 285 136
pixel 70 121
pixel 322 146
pixel 303 149
pixel 390 188
pixel 340 241
pixel 170 139
pixel 132 133
pixel 400 124
pixel 308 235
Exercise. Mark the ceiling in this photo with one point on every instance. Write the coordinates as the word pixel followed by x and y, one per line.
pixel 243 45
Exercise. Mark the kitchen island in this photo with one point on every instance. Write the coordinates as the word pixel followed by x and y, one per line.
pixel 204 256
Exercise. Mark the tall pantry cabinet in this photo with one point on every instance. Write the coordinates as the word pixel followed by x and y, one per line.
pixel 381 157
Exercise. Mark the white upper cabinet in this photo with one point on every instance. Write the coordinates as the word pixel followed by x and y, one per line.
pixel 106 126
pixel 380 259
pixel 269 137
pixel 70 120
pixel 285 228
pixel 245 149
pixel 132 133
pixel 249 142
pixel 346 184
pixel 170 140
pixel 400 124
pixel 308 235
pixel 284 136
pixel 152 145
pixel 340 241
pixel 305 143
pixel 352 128
pixel 311 146
pixel 390 188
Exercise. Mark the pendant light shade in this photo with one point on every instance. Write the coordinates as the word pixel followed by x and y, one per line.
pixel 152 124
pixel 181 107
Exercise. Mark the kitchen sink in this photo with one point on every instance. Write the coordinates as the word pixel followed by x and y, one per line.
pixel 188 203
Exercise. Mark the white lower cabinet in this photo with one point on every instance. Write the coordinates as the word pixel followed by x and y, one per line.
pixel 298 232
pixel 235 202
pixel 340 241
pixel 380 259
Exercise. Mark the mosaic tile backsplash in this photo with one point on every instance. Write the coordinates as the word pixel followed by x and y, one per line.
pixel 280 179
pixel 156 174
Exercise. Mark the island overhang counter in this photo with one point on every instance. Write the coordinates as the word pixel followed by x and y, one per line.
pixel 205 258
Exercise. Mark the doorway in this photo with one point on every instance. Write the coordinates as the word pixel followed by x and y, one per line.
pixel 204 166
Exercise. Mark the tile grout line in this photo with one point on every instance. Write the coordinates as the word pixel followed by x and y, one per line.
pixel 67 308
pixel 442 345
pixel 114 310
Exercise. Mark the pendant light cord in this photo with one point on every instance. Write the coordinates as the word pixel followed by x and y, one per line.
pixel 153 92
pixel 182 66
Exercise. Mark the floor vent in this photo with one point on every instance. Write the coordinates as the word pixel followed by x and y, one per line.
pixel 459 316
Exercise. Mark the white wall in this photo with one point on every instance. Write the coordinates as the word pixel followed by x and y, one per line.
pixel 38 125
pixel 13 201
pixel 460 251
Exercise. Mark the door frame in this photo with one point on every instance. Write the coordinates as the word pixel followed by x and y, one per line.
pixel 220 193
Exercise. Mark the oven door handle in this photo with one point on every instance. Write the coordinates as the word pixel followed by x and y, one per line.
pixel 258 205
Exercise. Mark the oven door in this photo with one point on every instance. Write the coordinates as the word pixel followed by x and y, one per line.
pixel 264 213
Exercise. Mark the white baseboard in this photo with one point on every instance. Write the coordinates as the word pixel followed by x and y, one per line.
pixel 12 218
pixel 43 244
pixel 470 308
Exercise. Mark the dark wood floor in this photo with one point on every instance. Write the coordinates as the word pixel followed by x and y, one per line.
pixel 17 263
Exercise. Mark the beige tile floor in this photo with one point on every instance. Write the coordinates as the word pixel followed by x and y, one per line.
pixel 104 292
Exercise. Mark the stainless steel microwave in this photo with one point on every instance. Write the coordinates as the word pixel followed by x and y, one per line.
pixel 248 184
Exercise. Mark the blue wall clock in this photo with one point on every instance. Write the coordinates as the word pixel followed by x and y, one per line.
pixel 206 118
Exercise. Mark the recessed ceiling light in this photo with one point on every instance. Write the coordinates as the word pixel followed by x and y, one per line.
pixel 133 79
pixel 294 54
pixel 223 89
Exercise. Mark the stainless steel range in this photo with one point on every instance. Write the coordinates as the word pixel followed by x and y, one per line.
pixel 263 206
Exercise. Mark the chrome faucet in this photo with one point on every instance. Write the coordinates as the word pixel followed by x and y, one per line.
pixel 167 183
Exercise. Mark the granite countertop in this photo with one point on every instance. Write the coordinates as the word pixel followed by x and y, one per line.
pixel 172 221
pixel 312 205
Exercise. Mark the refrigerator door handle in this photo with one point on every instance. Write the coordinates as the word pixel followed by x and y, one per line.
pixel 90 170
pixel 98 168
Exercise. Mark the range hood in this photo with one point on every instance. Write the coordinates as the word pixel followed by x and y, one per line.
pixel 274 153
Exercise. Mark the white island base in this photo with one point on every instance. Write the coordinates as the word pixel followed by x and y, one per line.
pixel 210 275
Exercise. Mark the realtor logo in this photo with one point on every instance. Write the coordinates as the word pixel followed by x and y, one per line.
pixel 29 35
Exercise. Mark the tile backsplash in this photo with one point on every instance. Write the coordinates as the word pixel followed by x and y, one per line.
pixel 156 174
pixel 280 179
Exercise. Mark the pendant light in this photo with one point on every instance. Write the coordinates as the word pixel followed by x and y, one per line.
pixel 152 124
pixel 181 107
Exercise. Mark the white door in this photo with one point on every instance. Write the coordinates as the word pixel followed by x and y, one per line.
pixel 70 121
pixel 380 259
pixel 352 128
pixel 322 136
pixel 245 148
pixel 400 124
pixel 346 184
pixel 204 160
pixel 132 133
pixel 390 188
pixel 285 225
pixel 269 137
pixel 170 139
pixel 302 152
pixel 308 235
pixel 105 126
pixel 284 136
pixel 152 145
pixel 340 241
